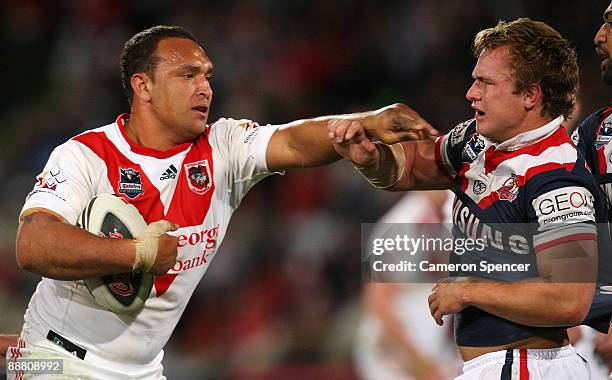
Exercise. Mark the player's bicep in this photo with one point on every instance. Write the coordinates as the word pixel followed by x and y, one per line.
pixel 565 236
pixel 570 262
pixel 280 153
pixel 33 228
pixel 422 170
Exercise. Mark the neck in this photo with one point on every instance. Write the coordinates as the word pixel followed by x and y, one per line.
pixel 147 132
pixel 532 120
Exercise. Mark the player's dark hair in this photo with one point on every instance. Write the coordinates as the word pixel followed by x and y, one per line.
pixel 138 55
pixel 538 55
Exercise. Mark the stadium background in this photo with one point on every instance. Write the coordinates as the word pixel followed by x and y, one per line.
pixel 283 297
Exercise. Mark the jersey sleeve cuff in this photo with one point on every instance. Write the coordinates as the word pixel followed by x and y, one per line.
pixel 442 158
pixel 564 234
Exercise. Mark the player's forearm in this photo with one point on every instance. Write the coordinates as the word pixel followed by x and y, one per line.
pixel 533 303
pixel 309 144
pixel 305 143
pixel 61 251
pixel 416 165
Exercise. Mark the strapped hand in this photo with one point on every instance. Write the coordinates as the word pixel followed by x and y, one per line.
pixel 155 250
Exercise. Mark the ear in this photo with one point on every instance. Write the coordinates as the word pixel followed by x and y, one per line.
pixel 141 85
pixel 532 96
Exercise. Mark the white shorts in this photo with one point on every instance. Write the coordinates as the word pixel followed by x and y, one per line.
pixel 522 364
pixel 73 367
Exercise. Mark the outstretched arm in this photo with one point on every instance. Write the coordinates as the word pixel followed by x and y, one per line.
pixel 305 143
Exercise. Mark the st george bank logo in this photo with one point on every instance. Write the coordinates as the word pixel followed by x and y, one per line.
pixel 208 238
pixel 205 241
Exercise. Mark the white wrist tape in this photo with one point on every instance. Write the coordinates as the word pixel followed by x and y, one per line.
pixel 146 244
pixel 389 167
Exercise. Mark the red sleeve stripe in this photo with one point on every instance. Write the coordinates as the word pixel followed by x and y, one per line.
pixel 565 239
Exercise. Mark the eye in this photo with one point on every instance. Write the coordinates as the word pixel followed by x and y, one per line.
pixel 187 76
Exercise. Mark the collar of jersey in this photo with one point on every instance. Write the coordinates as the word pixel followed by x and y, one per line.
pixel 528 138
pixel 144 151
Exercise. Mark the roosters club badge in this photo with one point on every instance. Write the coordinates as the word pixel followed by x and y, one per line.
pixel 198 176
pixel 509 189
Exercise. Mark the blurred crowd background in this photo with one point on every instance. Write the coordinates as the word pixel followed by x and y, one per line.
pixel 282 298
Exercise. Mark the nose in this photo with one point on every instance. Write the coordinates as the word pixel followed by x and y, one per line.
pixel 472 93
pixel 204 87
pixel 602 34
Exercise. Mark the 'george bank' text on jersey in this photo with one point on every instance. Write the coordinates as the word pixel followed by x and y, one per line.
pixel 534 183
pixel 195 185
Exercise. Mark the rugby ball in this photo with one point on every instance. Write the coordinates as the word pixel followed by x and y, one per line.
pixel 111 216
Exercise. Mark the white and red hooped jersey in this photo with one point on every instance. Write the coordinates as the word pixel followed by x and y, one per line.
pixel 520 197
pixel 195 185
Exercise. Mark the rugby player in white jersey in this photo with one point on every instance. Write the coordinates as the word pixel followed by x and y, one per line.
pixel 505 166
pixel 185 177
pixel 397 339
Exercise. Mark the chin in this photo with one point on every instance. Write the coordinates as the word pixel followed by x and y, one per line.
pixel 484 131
pixel 199 128
pixel 481 129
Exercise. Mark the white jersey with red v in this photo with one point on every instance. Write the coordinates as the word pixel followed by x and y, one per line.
pixel 196 185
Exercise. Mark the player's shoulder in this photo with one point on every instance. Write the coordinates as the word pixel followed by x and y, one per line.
pixel 229 123
pixel 81 140
pixel 589 126
pixel 554 162
pixel 568 175
pixel 231 131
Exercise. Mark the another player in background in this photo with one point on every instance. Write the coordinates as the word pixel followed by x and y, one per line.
pixel 504 166
pixel 397 339
pixel 592 138
pixel 164 159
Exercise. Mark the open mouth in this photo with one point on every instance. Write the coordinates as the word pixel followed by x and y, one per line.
pixel 201 109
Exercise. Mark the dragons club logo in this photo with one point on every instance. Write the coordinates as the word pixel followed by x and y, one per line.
pixel 198 176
